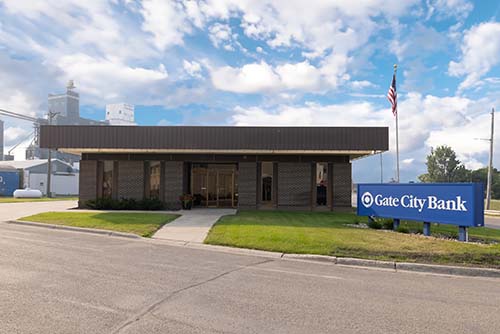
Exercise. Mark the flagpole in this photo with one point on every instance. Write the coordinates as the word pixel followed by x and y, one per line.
pixel 397 133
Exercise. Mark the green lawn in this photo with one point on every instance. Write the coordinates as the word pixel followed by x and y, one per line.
pixel 325 233
pixel 143 224
pixel 43 199
pixel 495 204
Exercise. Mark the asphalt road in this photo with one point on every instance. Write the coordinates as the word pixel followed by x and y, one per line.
pixel 492 222
pixel 54 281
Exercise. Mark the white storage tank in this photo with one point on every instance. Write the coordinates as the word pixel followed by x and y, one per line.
pixel 27 193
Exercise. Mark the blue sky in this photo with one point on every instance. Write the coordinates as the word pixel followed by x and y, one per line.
pixel 257 62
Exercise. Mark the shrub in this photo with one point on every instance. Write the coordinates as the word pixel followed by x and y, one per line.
pixel 128 204
pixel 403 229
pixel 125 204
pixel 103 203
pixel 387 224
pixel 151 204
pixel 374 224
pixel 173 206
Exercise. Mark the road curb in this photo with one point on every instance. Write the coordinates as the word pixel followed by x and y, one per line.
pixel 311 257
pixel 492 213
pixel 448 270
pixel 76 229
pixel 347 261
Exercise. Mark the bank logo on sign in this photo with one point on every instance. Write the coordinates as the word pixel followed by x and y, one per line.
pixel 367 199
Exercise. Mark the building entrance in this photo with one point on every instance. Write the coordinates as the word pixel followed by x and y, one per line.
pixel 214 185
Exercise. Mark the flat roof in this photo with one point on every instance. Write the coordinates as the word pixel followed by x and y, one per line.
pixel 353 141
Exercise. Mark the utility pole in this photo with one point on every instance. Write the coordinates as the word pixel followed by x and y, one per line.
pixel 50 116
pixel 490 163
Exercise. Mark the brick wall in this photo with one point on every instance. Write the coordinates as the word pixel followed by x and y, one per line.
pixel 342 185
pixel 174 178
pixel 247 185
pixel 88 181
pixel 294 185
pixel 130 179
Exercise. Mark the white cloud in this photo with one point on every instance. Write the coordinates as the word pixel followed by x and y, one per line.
pixel 449 8
pixel 108 79
pixel 221 35
pixel 465 138
pixel 263 78
pixel 250 78
pixel 321 25
pixel 302 76
pixel 407 161
pixel 166 21
pixel 358 85
pixel 18 102
pixel 421 41
pixel 480 50
pixel 311 114
pixel 12 135
pixel 192 68
pixel 60 27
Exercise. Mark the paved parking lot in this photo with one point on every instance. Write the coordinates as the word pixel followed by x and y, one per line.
pixel 55 281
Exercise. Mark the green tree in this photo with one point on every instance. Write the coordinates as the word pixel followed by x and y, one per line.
pixel 443 166
pixel 481 175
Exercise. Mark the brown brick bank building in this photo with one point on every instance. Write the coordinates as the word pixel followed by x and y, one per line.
pixel 307 168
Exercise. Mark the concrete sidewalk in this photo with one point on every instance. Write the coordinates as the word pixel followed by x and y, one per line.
pixel 192 225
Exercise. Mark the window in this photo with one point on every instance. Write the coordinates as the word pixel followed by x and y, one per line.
pixel 107 179
pixel 154 179
pixel 321 183
pixel 267 182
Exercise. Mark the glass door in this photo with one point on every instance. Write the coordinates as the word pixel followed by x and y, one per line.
pixel 214 185
pixel 212 194
pixel 226 188
pixel 199 186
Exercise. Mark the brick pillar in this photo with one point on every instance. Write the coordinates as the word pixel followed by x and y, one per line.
pixel 294 185
pixel 130 180
pixel 174 179
pixel 342 185
pixel 88 181
pixel 247 185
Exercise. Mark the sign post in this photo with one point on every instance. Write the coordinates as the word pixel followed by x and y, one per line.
pixel 460 204
pixel 463 233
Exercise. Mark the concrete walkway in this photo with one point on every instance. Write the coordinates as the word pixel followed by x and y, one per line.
pixel 192 225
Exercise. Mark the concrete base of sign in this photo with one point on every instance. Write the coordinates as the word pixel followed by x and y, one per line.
pixel 395 224
pixel 463 233
pixel 427 229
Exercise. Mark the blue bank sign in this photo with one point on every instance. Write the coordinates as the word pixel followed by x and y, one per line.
pixel 460 204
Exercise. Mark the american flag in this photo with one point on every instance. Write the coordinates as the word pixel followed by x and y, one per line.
pixel 392 95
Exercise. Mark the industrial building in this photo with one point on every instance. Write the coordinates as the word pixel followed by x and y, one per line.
pixel 65 109
pixel 33 175
pixel 305 168
pixel 120 114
